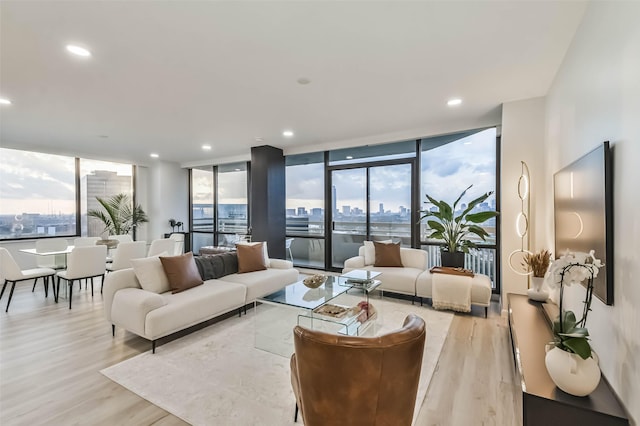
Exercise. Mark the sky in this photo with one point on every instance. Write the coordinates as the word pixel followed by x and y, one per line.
pixel 33 182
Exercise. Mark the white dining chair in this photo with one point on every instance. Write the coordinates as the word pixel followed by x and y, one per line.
pixel 164 245
pixel 178 248
pixel 124 238
pixel 10 272
pixel 126 252
pixel 83 262
pixel 85 241
pixel 54 262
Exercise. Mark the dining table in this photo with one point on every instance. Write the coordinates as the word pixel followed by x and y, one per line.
pixel 64 252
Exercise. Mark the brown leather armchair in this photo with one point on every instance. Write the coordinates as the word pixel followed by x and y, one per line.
pixel 345 380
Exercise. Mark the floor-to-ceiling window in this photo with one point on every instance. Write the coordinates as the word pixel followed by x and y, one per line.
pixel 202 207
pixel 101 179
pixel 44 195
pixel 371 196
pixel 449 164
pixel 305 209
pixel 219 205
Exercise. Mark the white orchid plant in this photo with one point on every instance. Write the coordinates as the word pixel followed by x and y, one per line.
pixel 569 334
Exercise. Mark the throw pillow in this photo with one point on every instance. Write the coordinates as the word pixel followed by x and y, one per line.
pixel 387 254
pixel 370 252
pixel 264 250
pixel 150 274
pixel 217 265
pixel 181 271
pixel 250 258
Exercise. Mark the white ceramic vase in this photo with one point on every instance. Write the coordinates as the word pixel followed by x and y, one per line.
pixel 571 373
pixel 535 292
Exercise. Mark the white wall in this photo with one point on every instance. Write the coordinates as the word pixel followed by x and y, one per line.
pixel 596 97
pixel 522 140
pixel 167 197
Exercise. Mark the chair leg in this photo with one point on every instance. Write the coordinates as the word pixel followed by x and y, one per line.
pixel 113 330
pixel 45 283
pixel 101 283
pixel 3 287
pixel 295 416
pixel 153 346
pixel 53 287
pixel 70 292
pixel 34 285
pixel 57 292
pixel 91 286
pixel 486 311
pixel 13 286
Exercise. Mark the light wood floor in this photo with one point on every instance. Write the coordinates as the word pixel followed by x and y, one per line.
pixel 50 359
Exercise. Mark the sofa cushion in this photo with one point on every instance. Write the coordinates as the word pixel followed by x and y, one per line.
pixel 480 288
pixel 194 306
pixel 370 252
pixel 150 274
pixel 181 271
pixel 250 258
pixel 387 254
pixel 217 265
pixel 261 283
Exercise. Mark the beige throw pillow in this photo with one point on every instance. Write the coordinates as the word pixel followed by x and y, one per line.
pixel 387 254
pixel 250 258
pixel 181 271
pixel 150 274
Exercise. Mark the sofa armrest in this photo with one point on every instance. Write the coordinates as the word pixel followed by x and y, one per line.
pixel 280 264
pixel 115 281
pixel 131 306
pixel 354 263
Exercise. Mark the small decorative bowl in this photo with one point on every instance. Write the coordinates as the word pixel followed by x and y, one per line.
pixel 314 281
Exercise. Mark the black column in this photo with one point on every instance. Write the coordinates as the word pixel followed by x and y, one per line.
pixel 268 198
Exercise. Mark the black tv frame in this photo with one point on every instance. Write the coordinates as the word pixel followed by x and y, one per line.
pixel 602 290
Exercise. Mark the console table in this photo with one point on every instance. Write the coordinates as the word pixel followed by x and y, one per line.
pixel 542 402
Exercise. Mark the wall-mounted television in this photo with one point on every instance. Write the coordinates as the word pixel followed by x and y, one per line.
pixel 583 213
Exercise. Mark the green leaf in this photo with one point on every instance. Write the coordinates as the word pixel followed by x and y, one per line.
pixel 455 204
pixel 578 345
pixel 435 225
pixel 481 216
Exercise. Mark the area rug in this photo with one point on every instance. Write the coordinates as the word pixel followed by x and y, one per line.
pixel 216 376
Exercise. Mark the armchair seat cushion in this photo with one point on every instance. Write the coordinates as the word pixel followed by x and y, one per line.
pixel 480 288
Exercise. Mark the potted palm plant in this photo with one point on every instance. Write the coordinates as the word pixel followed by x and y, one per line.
pixel 119 214
pixel 454 229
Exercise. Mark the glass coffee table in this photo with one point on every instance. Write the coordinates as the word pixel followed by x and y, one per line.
pixel 340 305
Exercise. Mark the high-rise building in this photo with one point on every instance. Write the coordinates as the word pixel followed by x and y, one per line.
pixel 381 209
pixel 346 210
pixel 302 211
pixel 103 184
pixel 334 207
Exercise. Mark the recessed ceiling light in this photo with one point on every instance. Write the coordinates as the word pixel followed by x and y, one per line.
pixel 303 81
pixel 77 50
pixel 349 157
pixel 454 102
pixel 258 139
pixel 154 155
pixel 467 143
pixel 206 147
pixel 5 101
pixel 287 133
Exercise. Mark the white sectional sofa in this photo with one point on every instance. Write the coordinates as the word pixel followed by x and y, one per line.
pixel 414 278
pixel 152 315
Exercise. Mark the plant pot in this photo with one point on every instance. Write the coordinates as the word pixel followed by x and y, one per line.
pixel 536 292
pixel 455 259
pixel 571 373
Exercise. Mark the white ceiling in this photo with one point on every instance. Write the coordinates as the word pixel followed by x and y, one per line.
pixel 168 76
